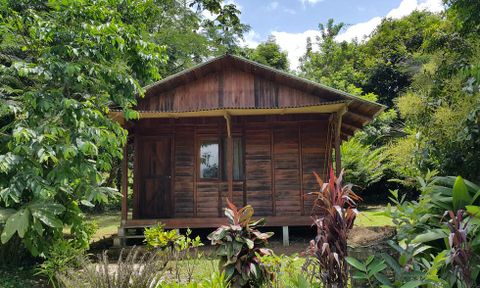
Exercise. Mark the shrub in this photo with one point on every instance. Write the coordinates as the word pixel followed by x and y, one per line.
pixel 240 247
pixel 334 213
pixel 363 165
pixel 65 254
pixel 178 247
pixel 438 241
pixel 138 270
pixel 158 237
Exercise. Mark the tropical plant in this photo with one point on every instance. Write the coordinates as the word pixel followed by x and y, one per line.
pixel 178 246
pixel 387 272
pixel 334 212
pixel 63 66
pixel 362 164
pixel 136 269
pixel 158 237
pixel 440 249
pixel 240 247
pixel 369 271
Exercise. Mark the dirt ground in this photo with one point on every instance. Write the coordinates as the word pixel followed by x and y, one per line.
pixel 299 239
pixel 358 237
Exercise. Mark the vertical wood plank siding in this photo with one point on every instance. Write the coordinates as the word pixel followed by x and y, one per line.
pixel 227 88
pixel 280 155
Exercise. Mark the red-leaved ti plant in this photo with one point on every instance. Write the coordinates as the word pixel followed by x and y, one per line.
pixel 460 253
pixel 240 247
pixel 334 212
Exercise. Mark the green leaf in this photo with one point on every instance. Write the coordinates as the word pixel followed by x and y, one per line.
pixel 48 218
pixel 382 279
pixel 430 236
pixel 376 267
pixel 359 275
pixel 473 210
pixel 412 284
pixel 460 195
pixel 355 263
pixel 18 222
pixel 250 243
pixel 54 208
pixel 5 213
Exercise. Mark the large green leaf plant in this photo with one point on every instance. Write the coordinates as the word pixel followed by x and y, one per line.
pixel 63 66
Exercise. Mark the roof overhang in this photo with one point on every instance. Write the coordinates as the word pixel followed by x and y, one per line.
pixel 324 108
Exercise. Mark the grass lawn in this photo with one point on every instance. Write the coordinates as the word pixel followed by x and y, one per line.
pixel 369 217
pixel 107 224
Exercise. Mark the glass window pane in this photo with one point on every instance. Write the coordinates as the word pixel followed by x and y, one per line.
pixel 209 152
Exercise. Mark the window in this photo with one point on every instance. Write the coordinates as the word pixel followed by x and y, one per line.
pixel 237 159
pixel 213 152
pixel 209 160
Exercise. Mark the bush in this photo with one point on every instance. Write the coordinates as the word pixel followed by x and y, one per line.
pixel 438 239
pixel 363 165
pixel 179 247
pixel 240 247
pixel 138 270
pixel 65 254
pixel 334 213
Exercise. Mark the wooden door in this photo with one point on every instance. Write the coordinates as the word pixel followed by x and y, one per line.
pixel 155 183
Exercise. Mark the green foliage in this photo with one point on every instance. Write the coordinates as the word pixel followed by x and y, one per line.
pixel 391 55
pixel 135 270
pixel 178 246
pixel 157 237
pixel 362 164
pixel 368 271
pixel 269 53
pixel 240 247
pixel 335 64
pixel 437 247
pixel 65 254
pixel 333 213
pixel 63 66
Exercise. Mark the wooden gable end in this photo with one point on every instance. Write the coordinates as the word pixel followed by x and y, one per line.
pixel 226 88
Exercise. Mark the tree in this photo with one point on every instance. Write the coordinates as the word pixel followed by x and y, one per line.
pixel 269 53
pixel 64 65
pixel 393 55
pixel 442 106
pixel 334 64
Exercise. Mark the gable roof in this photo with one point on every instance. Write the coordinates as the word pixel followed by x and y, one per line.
pixel 359 112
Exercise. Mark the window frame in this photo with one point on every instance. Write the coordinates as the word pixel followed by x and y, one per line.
pixel 209 140
pixel 221 141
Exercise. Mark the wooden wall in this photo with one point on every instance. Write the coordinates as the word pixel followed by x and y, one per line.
pixel 226 88
pixel 280 155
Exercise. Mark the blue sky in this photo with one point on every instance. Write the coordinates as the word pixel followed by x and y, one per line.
pixel 292 21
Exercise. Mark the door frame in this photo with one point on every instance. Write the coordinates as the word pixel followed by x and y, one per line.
pixel 139 140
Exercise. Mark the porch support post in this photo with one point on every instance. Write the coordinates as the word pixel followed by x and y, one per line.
pixel 229 156
pixel 286 240
pixel 125 184
pixel 338 130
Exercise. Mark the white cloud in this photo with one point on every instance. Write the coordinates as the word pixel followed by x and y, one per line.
pixel 251 39
pixel 294 44
pixel 312 2
pixel 289 11
pixel 228 2
pixel 362 30
pixel 272 5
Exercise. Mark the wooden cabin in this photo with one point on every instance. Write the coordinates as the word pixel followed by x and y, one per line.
pixel 233 128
